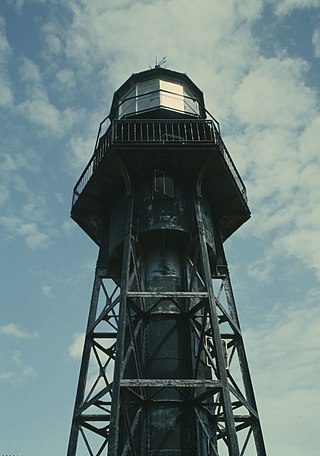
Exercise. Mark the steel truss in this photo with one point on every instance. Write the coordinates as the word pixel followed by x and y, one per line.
pixel 223 405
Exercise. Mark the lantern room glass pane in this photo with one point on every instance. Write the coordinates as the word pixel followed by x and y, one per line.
pixel 149 86
pixel 148 95
pixel 128 106
pixel 171 95
pixel 191 105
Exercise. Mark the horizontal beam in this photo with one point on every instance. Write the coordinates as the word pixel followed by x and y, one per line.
pixel 237 418
pixel 167 294
pixel 104 335
pixel 92 417
pixel 170 383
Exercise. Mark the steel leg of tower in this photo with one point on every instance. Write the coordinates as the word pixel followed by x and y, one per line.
pixel 93 397
pixel 112 408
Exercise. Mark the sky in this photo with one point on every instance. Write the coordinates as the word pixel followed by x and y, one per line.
pixel 258 64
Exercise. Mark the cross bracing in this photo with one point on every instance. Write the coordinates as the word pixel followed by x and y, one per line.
pixel 218 395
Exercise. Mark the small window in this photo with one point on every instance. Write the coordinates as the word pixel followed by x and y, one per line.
pixel 163 185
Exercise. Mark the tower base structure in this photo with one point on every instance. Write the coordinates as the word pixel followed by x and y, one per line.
pixel 168 354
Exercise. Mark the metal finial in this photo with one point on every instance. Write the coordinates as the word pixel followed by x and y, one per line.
pixel 162 62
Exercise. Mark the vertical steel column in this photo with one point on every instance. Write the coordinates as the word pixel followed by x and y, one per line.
pixel 92 405
pixel 75 427
pixel 256 427
pixel 244 366
pixel 120 346
pixel 232 441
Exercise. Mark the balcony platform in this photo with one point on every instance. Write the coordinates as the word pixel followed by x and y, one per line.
pixel 179 146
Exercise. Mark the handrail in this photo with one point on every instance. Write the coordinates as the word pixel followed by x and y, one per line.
pixel 162 131
pixel 100 151
pixel 156 131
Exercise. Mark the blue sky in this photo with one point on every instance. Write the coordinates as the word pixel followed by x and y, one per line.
pixel 258 64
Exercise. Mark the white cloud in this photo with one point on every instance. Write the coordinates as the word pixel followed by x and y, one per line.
pixel 205 26
pixel 273 94
pixel 25 371
pixel 283 7
pixel 21 370
pixel 285 358
pixel 45 115
pixel 18 5
pixel 309 238
pixel 261 269
pixel 82 146
pixel 4 193
pixel 280 163
pixel 25 160
pixel 65 77
pixel 30 76
pixel 81 151
pixel 9 221
pixel 47 290
pixel 37 107
pixel 4 45
pixel 52 36
pixel 6 94
pixel 25 211
pixel 76 347
pixel 316 42
pixel 41 113
pixel 14 330
pixel 68 228
pixel 34 238
pixel 4 376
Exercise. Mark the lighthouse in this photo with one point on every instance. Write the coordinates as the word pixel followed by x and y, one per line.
pixel 164 370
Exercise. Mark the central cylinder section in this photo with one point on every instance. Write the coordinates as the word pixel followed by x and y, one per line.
pixel 168 339
pixel 164 228
pixel 167 351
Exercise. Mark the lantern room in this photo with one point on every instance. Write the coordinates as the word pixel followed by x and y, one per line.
pixel 164 92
